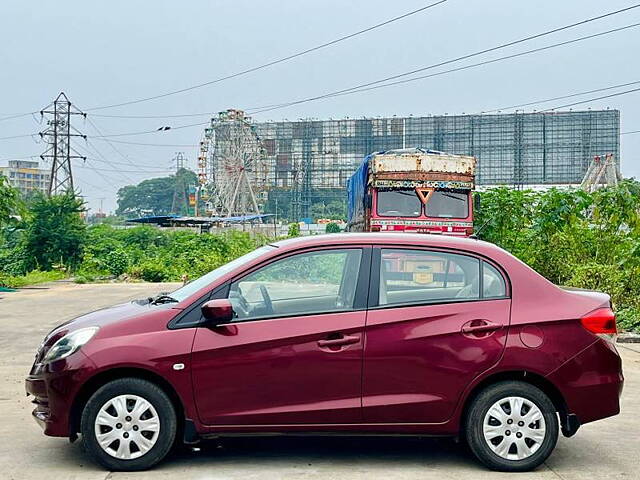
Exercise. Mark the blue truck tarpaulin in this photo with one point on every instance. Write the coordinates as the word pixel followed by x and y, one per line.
pixel 356 188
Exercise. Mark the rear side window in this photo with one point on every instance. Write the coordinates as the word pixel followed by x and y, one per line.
pixel 493 285
pixel 415 276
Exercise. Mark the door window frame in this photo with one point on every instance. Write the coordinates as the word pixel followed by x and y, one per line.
pixel 360 298
pixel 374 284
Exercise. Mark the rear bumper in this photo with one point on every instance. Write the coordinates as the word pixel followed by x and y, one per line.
pixel 54 387
pixel 591 382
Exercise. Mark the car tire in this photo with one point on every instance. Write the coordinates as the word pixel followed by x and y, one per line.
pixel 498 430
pixel 128 424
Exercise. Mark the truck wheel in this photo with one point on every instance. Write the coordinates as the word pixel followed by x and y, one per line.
pixel 512 426
pixel 128 424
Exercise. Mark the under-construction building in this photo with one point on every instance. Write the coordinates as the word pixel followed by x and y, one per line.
pixel 307 162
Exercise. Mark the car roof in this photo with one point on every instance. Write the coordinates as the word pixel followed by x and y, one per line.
pixel 390 238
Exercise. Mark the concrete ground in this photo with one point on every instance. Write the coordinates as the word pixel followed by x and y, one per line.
pixel 606 449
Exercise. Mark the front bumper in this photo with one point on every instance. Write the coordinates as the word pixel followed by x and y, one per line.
pixel 54 387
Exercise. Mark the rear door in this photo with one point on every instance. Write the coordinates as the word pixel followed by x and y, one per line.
pixel 437 319
pixel 293 355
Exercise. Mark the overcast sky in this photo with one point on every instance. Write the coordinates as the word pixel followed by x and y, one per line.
pixel 107 52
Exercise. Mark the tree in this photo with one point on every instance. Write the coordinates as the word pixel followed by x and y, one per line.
pixel 153 195
pixel 9 201
pixel 55 232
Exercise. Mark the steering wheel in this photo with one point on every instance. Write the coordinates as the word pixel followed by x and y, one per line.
pixel 266 298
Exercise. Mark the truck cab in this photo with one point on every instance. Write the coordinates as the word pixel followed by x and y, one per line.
pixel 412 190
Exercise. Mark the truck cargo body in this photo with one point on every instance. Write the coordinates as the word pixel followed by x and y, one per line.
pixel 412 190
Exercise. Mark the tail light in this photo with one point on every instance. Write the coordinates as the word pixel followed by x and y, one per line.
pixel 601 322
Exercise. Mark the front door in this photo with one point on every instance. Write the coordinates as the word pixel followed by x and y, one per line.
pixel 293 354
pixel 437 321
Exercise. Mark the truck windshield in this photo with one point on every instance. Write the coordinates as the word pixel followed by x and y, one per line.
pixel 446 204
pixel 399 203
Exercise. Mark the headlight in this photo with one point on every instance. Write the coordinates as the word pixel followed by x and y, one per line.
pixel 69 344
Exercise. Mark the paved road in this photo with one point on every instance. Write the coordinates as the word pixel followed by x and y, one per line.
pixel 607 449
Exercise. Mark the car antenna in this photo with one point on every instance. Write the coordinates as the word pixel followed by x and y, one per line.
pixel 475 234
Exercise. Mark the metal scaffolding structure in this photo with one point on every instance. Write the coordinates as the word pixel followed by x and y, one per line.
pixel 308 162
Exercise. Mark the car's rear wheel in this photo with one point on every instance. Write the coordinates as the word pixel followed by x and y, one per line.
pixel 128 424
pixel 512 426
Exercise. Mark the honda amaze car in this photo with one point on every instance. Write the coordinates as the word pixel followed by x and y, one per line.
pixel 342 334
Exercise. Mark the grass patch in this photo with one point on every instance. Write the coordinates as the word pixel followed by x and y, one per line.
pixel 30 278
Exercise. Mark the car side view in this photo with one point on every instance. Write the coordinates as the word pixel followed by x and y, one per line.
pixel 348 334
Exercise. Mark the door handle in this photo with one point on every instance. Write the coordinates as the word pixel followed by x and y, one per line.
pixel 480 326
pixel 339 342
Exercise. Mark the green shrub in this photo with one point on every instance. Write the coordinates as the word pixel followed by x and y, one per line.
pixel 116 262
pixel 332 228
pixel 294 230
pixel 152 272
pixel 628 319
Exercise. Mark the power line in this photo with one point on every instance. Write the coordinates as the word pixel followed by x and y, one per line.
pixel 167 170
pixel 17 115
pixel 370 86
pixel 172 145
pixel 376 84
pixel 273 62
pixel 593 99
pixel 104 159
pixel 553 99
pixel 630 133
pixel 157 130
pixel 19 136
pixel 361 87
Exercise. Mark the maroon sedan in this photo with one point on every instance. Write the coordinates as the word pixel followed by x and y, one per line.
pixel 357 333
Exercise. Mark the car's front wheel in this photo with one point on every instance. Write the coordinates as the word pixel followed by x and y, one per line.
pixel 128 424
pixel 512 426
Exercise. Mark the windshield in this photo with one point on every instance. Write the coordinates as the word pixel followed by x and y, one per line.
pixel 208 278
pixel 399 203
pixel 448 204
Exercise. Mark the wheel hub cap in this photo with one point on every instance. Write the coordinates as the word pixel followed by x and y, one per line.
pixel 514 428
pixel 127 427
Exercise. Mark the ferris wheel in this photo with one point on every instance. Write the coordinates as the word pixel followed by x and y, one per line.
pixel 231 166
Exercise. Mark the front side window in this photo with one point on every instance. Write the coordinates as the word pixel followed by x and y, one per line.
pixel 415 276
pixel 209 278
pixel 312 282
pixel 447 204
pixel 398 203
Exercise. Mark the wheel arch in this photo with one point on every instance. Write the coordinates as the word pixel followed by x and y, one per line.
pixel 104 377
pixel 547 387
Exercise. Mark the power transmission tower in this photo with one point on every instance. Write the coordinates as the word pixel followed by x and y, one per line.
pixel 180 201
pixel 58 136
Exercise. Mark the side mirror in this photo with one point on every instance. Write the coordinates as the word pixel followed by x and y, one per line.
pixel 476 202
pixel 217 311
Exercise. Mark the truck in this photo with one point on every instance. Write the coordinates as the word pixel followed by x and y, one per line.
pixel 412 190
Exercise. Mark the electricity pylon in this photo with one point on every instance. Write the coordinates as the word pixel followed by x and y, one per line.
pixel 58 136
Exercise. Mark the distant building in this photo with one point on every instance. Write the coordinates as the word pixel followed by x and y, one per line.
pixel 310 160
pixel 26 176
